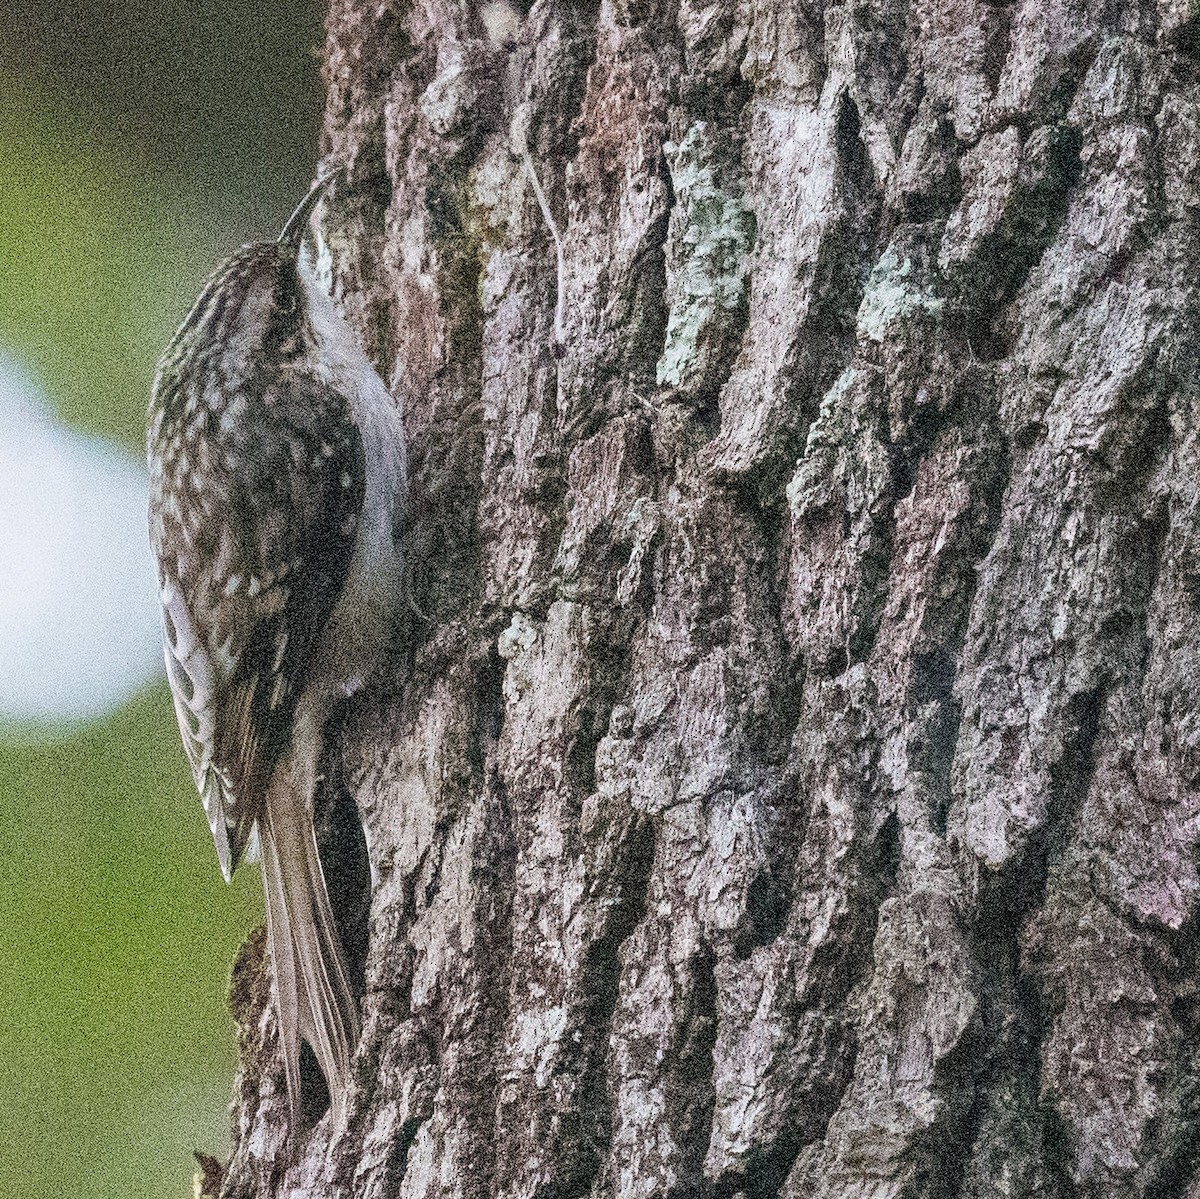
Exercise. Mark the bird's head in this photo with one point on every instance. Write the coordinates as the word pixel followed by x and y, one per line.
pixel 252 309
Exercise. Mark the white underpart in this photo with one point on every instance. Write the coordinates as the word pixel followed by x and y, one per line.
pixel 358 632
pixel 79 620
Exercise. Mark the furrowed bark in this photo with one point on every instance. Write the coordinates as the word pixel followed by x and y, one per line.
pixel 792 787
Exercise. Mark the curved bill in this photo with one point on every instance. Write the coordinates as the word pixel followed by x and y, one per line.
pixel 293 231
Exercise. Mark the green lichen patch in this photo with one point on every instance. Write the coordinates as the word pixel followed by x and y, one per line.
pixel 709 240
pixel 893 291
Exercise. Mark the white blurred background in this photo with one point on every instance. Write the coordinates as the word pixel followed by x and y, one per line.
pixel 77 595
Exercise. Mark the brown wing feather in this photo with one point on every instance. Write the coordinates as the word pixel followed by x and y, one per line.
pixel 253 538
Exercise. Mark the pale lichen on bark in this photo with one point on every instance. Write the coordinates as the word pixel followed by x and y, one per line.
pixel 709 240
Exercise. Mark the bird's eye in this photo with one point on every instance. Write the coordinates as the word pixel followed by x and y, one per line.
pixel 287 295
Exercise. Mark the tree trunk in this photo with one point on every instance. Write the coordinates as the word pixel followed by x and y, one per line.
pixel 792 785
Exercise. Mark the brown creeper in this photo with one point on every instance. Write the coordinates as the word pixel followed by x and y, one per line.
pixel 277 469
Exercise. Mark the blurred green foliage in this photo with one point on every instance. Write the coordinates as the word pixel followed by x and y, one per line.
pixel 95 265
pixel 138 144
pixel 114 961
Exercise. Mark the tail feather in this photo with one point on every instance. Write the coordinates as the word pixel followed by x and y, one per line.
pixel 314 998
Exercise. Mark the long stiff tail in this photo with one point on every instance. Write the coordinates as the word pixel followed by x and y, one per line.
pixel 313 993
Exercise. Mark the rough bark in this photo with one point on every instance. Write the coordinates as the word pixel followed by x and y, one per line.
pixel 793 786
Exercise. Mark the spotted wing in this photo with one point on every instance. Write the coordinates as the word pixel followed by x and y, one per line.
pixel 254 511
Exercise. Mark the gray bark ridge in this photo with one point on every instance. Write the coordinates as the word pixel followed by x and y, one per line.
pixel 794 788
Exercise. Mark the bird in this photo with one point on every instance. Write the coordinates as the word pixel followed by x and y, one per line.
pixel 277 465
